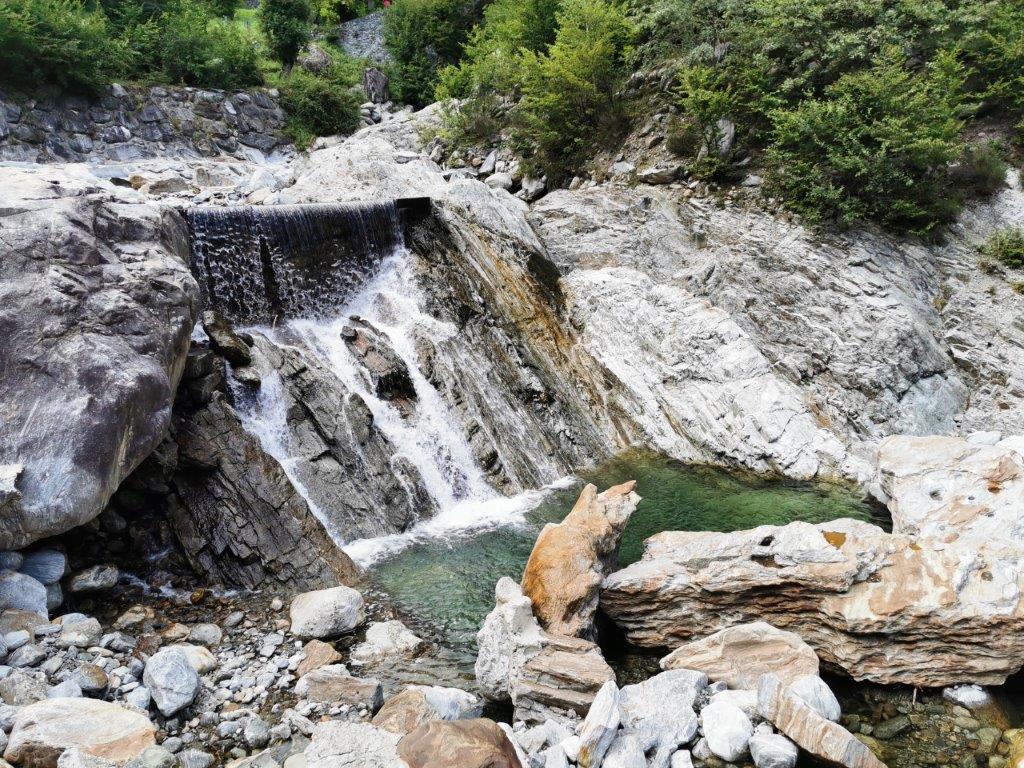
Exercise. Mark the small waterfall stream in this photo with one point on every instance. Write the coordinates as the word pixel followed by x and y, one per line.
pixel 298 275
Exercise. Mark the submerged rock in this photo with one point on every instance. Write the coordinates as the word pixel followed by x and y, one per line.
pixel 882 607
pixel 563 576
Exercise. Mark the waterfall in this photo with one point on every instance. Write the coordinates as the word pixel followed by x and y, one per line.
pixel 299 275
pixel 260 264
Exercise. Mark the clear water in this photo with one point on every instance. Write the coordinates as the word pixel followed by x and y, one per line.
pixel 447 582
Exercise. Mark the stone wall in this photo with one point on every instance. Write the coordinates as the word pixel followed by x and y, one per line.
pixel 127 124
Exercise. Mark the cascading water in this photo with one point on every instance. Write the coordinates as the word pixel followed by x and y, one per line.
pixel 298 275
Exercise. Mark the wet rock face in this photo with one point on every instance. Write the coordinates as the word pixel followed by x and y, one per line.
pixel 387 372
pixel 97 306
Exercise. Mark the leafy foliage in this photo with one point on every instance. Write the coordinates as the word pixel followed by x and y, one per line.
pixel 321 104
pixel 286 25
pixel 1006 246
pixel 196 49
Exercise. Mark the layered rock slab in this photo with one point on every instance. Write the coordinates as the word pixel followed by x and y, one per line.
pixel 96 307
pixel 878 606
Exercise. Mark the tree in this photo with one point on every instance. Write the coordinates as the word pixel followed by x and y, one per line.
pixel 286 25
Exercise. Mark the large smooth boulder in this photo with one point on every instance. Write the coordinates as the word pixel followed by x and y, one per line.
pixel 96 308
pixel 739 655
pixel 570 559
pixel 22 593
pixel 823 738
pixel 171 679
pixel 510 636
pixel 419 704
pixel 479 743
pixel 42 731
pixel 326 613
pixel 883 607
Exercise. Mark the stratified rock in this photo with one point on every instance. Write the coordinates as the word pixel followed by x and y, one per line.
pixel 171 679
pixel 949 488
pixel 318 654
pixel 385 639
pixel 338 744
pixel 387 373
pixel 815 693
pixel 237 515
pixel 42 731
pixel 334 685
pixel 96 308
pixel 570 559
pixel 727 729
pixel 94 579
pixel 739 655
pixel 326 612
pixel 22 593
pixel 375 85
pixel 822 738
pixel 420 704
pixel 476 743
pixel 625 752
pixel 882 607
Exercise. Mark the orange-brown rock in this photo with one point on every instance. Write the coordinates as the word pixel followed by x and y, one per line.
pixel 42 731
pixel 318 654
pixel 563 575
pixel 476 743
pixel 419 704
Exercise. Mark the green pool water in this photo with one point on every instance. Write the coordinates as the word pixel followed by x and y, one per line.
pixel 448 585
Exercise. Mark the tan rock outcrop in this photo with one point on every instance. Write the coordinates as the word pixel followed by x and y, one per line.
pixel 419 704
pixel 810 731
pixel 563 575
pixel 879 606
pixel 739 655
pixel 318 654
pixel 476 743
pixel 42 731
pixel 949 488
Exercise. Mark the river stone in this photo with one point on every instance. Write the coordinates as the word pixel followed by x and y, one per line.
pixel 597 732
pixel 27 656
pixel 79 631
pixel 816 694
pixel 9 559
pixel 681 759
pixel 478 743
pixel 661 710
pixel 92 679
pixel 15 639
pixel 21 592
pixel 88 382
pixel 200 658
pixel 42 731
pixel 318 654
pixel 338 744
pixel 139 698
pixel 54 597
pixel 739 655
pixel 419 704
pixel 153 757
pixel 770 750
pixel 563 576
pixel 385 640
pixel 69 689
pixel 76 758
pixel 206 634
pixel 171 680
pixel 727 729
pixel 47 566
pixel 744 700
pixel 20 688
pixel 326 613
pixel 94 579
pixel 810 731
pixel 333 684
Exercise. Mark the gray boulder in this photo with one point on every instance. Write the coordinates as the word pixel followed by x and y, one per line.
pixel 727 730
pixel 772 750
pixel 22 593
pixel 816 694
pixel 171 680
pixel 660 711
pixel 326 612
pixel 79 631
pixel 94 579
pixel 96 306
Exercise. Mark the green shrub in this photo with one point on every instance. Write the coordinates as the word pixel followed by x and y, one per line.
pixel 320 105
pixel 876 146
pixel 196 49
pixel 423 37
pixel 981 169
pixel 706 100
pixel 57 42
pixel 1007 247
pixel 286 25
pixel 569 93
pixel 994 48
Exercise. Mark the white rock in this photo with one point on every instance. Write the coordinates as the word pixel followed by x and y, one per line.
pixel 510 636
pixel 772 750
pixel 598 729
pixel 625 752
pixel 383 640
pixel 339 744
pixel 745 700
pixel 22 592
pixel 201 659
pixel 660 710
pixel 816 694
pixel 172 681
pixel 727 730
pixel 681 759
pixel 326 613
pixel 499 181
pixel 969 696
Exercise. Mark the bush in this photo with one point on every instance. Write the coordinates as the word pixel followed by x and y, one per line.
pixel 876 146
pixel 320 105
pixel 1006 246
pixel 981 169
pixel 57 42
pixel 569 93
pixel 196 49
pixel 286 25
pixel 423 37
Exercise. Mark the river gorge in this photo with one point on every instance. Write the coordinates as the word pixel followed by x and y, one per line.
pixel 303 454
